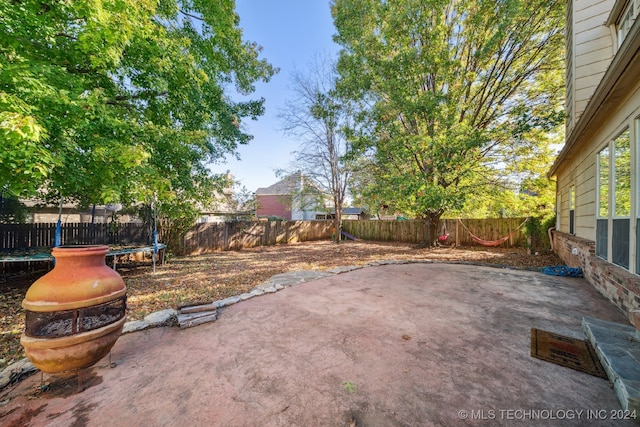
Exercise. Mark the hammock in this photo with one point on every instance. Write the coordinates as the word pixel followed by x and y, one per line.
pixel 491 243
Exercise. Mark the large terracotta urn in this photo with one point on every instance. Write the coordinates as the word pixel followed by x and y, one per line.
pixel 74 313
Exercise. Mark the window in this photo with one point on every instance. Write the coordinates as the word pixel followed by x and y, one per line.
pixel 602 222
pixel 626 20
pixel 558 209
pixel 622 195
pixel 614 201
pixel 572 212
pixel 622 165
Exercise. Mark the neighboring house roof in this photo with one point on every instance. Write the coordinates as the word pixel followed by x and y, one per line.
pixel 287 185
pixel 620 76
pixel 291 184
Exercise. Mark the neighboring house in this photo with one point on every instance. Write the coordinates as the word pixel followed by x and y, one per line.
pixel 598 203
pixel 351 213
pixel 293 198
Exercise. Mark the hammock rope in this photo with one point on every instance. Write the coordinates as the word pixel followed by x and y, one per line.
pixel 491 243
pixel 444 236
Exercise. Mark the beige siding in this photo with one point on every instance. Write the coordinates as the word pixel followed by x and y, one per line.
pixel 601 41
pixel 580 170
pixel 568 41
pixel 586 11
pixel 592 51
pixel 595 62
pixel 585 200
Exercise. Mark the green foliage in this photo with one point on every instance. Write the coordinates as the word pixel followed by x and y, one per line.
pixel 537 231
pixel 349 387
pixel 174 222
pixel 622 171
pixel 453 95
pixel 122 101
pixel 603 182
pixel 243 200
pixel 12 210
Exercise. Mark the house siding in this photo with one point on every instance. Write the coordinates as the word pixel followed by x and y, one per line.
pixel 591 55
pixel 620 286
pixel 295 198
pixel 592 50
pixel 274 205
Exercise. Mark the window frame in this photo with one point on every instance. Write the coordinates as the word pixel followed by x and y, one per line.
pixel 572 209
pixel 613 176
pixel 617 213
pixel 626 20
pixel 620 228
pixel 602 221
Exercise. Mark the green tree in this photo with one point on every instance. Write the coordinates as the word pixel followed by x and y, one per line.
pixel 513 181
pixel 447 91
pixel 122 100
pixel 12 210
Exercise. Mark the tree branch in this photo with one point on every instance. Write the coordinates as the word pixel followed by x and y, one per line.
pixel 199 18
pixel 139 95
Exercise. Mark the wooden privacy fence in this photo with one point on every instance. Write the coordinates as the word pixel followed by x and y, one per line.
pixel 41 235
pixel 210 237
pixel 218 236
pixel 413 231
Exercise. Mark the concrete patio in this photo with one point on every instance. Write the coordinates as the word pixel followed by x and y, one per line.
pixel 414 344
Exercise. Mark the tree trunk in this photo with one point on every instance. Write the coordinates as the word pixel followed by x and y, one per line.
pixel 431 222
pixel 337 222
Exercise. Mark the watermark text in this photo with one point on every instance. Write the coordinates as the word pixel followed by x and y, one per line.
pixel 546 414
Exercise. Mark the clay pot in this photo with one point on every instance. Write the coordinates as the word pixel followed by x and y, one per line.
pixel 74 313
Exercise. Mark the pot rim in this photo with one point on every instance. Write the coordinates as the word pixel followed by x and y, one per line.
pixel 40 306
pixel 79 250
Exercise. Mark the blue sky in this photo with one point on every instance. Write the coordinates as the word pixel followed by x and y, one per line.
pixel 292 33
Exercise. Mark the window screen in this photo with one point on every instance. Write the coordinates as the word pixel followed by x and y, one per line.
pixel 602 233
pixel 620 242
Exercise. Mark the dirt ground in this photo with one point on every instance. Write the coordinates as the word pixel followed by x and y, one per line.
pixel 209 277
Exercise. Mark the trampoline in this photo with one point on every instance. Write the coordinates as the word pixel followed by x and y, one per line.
pixel 158 250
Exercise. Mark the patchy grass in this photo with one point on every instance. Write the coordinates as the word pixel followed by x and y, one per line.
pixel 209 277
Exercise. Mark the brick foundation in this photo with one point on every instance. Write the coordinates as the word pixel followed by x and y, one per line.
pixel 615 283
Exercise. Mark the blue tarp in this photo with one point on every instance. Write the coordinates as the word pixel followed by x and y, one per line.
pixel 563 270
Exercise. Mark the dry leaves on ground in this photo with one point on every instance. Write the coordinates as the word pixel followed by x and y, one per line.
pixel 209 277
